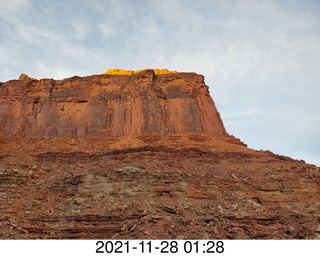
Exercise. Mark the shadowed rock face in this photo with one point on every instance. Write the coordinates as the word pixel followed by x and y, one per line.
pixel 108 105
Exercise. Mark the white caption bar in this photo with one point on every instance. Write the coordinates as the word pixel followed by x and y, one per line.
pixel 100 248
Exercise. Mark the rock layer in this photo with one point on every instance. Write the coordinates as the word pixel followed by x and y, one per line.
pixel 188 186
pixel 109 105
pixel 140 156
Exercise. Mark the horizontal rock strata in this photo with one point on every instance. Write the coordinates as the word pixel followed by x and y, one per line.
pixel 176 186
pixel 109 105
pixel 140 156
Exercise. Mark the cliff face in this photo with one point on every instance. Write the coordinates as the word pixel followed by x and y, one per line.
pixel 108 105
pixel 158 164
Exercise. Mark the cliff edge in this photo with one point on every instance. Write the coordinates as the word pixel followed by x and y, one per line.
pixel 110 104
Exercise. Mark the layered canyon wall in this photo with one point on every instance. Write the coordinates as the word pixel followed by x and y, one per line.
pixel 108 105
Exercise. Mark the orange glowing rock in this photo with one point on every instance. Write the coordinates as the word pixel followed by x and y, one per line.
pixel 163 71
pixel 137 71
pixel 131 72
pixel 24 76
pixel 118 72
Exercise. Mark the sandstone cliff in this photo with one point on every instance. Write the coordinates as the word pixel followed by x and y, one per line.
pixel 140 156
pixel 110 105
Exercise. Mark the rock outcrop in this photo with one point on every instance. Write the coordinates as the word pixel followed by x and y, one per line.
pixel 109 105
pixel 25 77
pixel 131 72
pixel 140 156
pixel 191 186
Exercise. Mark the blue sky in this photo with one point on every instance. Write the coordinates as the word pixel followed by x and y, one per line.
pixel 261 59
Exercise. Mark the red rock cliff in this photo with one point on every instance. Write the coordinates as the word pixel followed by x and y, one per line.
pixel 111 105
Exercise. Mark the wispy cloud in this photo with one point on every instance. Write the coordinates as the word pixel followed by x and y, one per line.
pixel 12 5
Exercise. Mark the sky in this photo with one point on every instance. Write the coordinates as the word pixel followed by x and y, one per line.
pixel 260 59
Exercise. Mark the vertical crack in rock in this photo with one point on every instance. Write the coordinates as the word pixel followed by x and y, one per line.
pixel 110 105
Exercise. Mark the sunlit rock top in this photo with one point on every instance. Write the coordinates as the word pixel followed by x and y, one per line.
pixel 131 72
pixel 24 76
